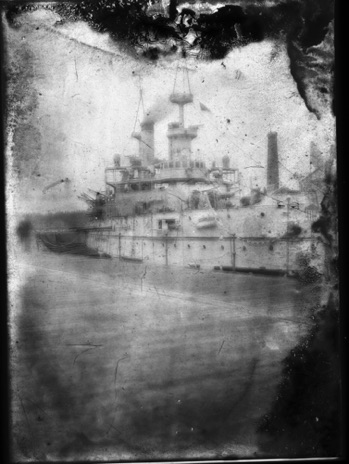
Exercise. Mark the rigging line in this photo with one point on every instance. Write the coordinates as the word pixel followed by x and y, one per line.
pixel 242 149
pixel 278 200
pixel 127 142
pixel 186 75
pixel 136 119
pixel 141 94
pixel 183 79
pixel 186 69
pixel 175 79
pixel 140 102
pixel 265 194
pixel 234 140
pixel 282 165
pixel 249 155
pixel 84 44
pixel 294 173
pixel 158 152
pixel 142 141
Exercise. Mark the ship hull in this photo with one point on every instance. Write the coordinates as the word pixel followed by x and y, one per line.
pixel 251 253
pixel 226 247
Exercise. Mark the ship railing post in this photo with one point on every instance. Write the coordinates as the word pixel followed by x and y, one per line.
pixel 232 250
pixel 232 239
pixel 287 238
pixel 166 249
pixel 234 253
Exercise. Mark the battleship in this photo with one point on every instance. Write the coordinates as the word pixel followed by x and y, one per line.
pixel 180 212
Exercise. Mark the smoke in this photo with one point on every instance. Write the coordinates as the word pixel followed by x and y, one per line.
pixel 159 110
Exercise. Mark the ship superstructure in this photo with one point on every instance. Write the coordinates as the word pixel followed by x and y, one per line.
pixel 178 211
pixel 181 173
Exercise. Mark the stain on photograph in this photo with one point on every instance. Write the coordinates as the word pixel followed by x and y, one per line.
pixel 171 204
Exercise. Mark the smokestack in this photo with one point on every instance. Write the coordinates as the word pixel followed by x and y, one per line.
pixel 117 161
pixel 147 143
pixel 226 162
pixel 273 162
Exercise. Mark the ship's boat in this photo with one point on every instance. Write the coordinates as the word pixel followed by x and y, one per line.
pixel 58 244
pixel 206 222
pixel 131 259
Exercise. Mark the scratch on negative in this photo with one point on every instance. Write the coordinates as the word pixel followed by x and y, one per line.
pixel 144 273
pixel 37 406
pixel 85 351
pixel 220 349
pixel 117 365
pixel 25 412
pixel 76 70
pixel 28 423
pixel 157 292
pixel 82 344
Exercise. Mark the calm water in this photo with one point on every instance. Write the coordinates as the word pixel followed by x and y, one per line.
pixel 126 361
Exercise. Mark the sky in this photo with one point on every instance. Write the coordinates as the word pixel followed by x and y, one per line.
pixel 87 94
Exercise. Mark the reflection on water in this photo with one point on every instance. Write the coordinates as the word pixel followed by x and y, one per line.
pixel 127 361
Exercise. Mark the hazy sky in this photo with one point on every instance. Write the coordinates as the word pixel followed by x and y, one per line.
pixel 87 92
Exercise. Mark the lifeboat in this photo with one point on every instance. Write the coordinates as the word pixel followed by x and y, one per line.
pixel 206 222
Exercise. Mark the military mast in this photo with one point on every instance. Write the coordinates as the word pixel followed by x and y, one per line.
pixel 179 136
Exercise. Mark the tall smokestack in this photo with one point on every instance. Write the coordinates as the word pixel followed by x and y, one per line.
pixel 226 162
pixel 273 162
pixel 146 143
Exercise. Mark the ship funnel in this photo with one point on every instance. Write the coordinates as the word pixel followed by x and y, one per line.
pixel 146 142
pixel 226 162
pixel 273 162
pixel 117 161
